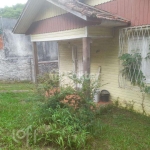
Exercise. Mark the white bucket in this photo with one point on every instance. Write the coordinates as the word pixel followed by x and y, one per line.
pixel 96 95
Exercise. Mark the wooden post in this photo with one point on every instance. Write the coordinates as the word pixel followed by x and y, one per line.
pixel 35 58
pixel 86 67
pixel 74 57
pixel 86 55
pixel 75 62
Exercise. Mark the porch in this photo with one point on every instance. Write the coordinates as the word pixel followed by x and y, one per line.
pixel 78 49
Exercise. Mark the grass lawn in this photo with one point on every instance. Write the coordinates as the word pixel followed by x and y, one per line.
pixel 16 86
pixel 16 112
pixel 120 128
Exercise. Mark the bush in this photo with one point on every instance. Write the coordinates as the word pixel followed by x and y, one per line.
pixel 64 129
pixel 67 119
pixel 48 82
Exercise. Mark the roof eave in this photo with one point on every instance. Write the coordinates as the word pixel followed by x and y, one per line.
pixel 21 16
pixel 27 17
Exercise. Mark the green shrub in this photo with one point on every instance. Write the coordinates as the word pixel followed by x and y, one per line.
pixel 48 82
pixel 68 124
pixel 64 129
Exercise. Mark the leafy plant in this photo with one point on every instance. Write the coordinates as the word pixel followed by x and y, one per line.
pixel 64 129
pixel 48 82
pixel 69 115
pixel 132 70
pixel 88 84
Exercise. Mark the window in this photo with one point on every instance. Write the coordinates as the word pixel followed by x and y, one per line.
pixel 142 46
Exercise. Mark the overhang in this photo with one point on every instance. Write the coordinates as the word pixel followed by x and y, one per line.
pixel 28 15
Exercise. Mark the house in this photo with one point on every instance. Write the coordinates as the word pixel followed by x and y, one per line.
pixel 91 34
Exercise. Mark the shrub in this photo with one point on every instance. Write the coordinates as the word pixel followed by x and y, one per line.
pixel 64 129
pixel 48 82
pixel 67 119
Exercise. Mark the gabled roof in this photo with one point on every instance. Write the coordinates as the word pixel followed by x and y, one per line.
pixel 81 10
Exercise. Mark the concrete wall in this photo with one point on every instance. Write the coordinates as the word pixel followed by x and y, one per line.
pixel 16 58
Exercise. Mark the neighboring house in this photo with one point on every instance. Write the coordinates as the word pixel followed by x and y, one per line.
pixel 91 34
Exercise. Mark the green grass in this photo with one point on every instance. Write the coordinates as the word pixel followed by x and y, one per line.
pixel 16 112
pixel 120 129
pixel 124 130
pixel 16 86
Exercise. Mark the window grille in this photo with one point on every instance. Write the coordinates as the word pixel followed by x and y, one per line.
pixel 135 40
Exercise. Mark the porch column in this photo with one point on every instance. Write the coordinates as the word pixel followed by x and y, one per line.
pixel 35 58
pixel 86 56
pixel 86 66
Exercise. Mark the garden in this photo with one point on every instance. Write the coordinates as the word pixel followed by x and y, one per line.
pixel 43 116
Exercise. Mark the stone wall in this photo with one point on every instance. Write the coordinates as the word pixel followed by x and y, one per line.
pixel 16 68
pixel 48 67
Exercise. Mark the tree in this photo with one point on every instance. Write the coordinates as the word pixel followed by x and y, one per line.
pixel 12 12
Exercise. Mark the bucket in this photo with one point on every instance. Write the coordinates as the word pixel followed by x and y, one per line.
pixel 104 96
